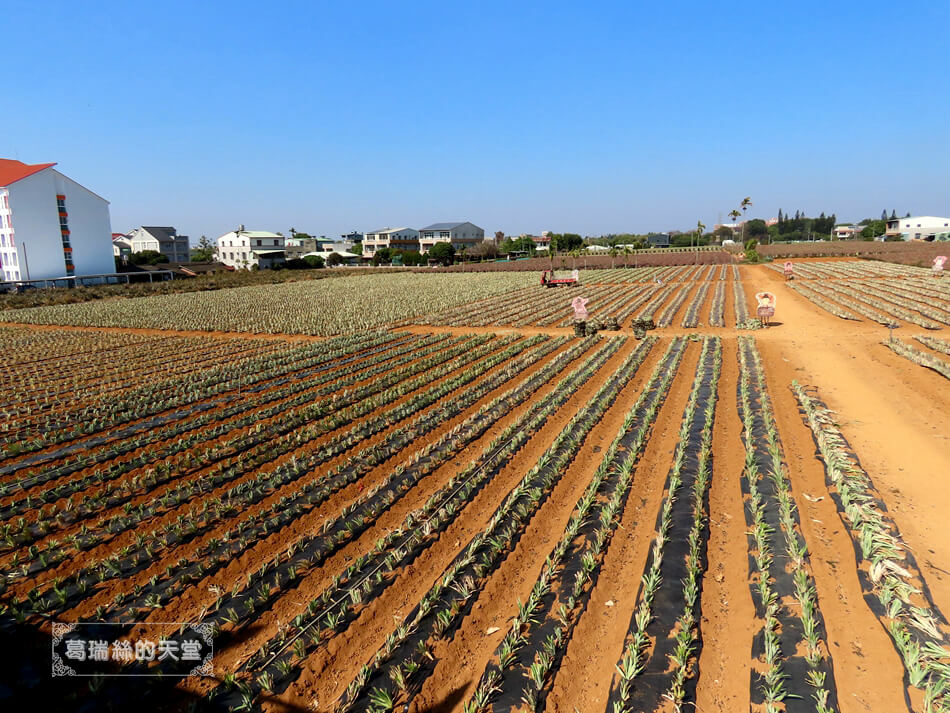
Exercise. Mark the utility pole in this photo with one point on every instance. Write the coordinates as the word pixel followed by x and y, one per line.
pixel 26 263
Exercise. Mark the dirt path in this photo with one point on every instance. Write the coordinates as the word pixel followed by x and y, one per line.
pixel 893 412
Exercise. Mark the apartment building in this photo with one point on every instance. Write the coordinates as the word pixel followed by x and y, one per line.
pixel 50 225
pixel 392 238
pixel 461 235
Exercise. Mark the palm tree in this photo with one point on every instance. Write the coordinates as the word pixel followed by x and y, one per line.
pixel 746 202
pixel 700 227
pixel 734 214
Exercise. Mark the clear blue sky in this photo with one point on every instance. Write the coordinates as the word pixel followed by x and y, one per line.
pixel 583 117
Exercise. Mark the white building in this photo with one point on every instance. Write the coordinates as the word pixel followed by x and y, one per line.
pixel 121 245
pixel 392 238
pixel 164 240
pixel 846 231
pixel 50 226
pixel 922 227
pixel 245 248
pixel 461 235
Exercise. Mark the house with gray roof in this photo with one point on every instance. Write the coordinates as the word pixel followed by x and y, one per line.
pixel 461 235
pixel 162 239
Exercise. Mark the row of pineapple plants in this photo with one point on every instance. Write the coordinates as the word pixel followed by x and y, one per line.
pixel 921 358
pixel 202 516
pixel 717 309
pixel 407 656
pixel 887 570
pixel 178 443
pixel 526 661
pixel 660 653
pixel 155 398
pixel 253 450
pixel 817 299
pixel 371 573
pixel 792 638
pixel 691 318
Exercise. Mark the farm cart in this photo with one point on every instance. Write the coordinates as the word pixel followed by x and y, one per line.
pixel 549 279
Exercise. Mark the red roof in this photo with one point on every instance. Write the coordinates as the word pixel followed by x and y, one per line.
pixel 12 171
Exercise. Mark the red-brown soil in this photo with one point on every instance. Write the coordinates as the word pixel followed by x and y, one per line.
pixel 895 414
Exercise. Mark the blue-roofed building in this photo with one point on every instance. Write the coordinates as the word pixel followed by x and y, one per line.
pixel 461 235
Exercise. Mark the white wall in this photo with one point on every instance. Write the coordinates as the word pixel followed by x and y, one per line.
pixel 90 227
pixel 923 226
pixel 37 233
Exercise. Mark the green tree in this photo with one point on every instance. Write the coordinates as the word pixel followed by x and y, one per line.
pixel 751 254
pixel 382 256
pixel 524 243
pixel 335 259
pixel 147 257
pixel 756 229
pixel 874 229
pixel 723 233
pixel 443 252
pixel 566 242
pixel 411 258
pixel 357 249
pixel 203 251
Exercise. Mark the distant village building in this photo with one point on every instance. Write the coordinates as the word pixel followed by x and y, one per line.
pixel 296 248
pixel 121 245
pixel 922 227
pixel 846 231
pixel 541 242
pixel 246 248
pixel 162 239
pixel 392 238
pixel 50 226
pixel 659 240
pixel 460 235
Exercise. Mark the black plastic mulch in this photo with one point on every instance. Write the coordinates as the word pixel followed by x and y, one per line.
pixel 794 666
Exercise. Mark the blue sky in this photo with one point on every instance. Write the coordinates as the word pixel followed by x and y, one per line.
pixel 584 117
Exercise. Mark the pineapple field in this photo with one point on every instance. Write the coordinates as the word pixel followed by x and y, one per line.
pixel 428 493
